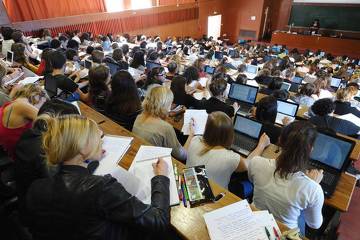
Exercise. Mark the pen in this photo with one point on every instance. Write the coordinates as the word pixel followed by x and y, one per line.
pixel 183 196
pixel 147 159
pixel 276 233
pixel 267 233
pixel 101 122
pixel 185 190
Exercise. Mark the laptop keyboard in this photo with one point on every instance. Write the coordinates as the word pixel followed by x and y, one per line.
pixel 328 178
pixel 244 142
pixel 244 108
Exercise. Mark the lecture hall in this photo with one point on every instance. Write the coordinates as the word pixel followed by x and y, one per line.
pixel 180 119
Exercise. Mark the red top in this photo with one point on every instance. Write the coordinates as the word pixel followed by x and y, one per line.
pixel 41 68
pixel 10 136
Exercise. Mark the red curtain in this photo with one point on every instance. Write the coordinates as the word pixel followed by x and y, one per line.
pixel 27 10
pixel 128 24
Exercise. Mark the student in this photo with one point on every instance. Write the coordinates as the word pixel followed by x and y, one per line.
pixel 342 103
pixel 213 150
pixel 99 79
pixel 274 84
pixel 18 37
pixel 4 97
pixel 97 56
pixel 216 102
pixel 156 77
pixel 98 206
pixel 69 87
pixel 191 74
pixel 29 156
pixel 20 59
pixel 55 44
pixel 138 61
pixel 45 67
pixel 323 110
pixel 17 116
pixel 151 125
pixel 304 96
pixel 200 64
pixel 321 89
pixel 284 186
pixel 178 85
pixel 118 57
pixel 172 68
pixel 124 104
pixel 6 32
pixel 241 79
pixel 77 35
pixel 266 110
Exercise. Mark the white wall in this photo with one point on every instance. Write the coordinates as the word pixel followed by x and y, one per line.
pixel 328 1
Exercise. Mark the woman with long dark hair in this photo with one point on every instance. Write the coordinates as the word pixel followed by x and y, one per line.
pixel 123 104
pixel 284 185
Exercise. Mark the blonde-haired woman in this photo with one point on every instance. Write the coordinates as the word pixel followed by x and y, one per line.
pixel 342 103
pixel 77 205
pixel 213 149
pixel 17 116
pixel 151 124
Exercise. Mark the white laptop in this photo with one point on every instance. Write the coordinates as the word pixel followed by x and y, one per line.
pixel 251 71
pixel 286 109
pixel 9 58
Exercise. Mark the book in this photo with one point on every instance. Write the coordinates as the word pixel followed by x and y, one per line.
pixel 197 185
pixel 142 168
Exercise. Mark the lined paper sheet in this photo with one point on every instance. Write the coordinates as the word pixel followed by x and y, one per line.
pixel 200 118
pixel 233 222
pixel 142 168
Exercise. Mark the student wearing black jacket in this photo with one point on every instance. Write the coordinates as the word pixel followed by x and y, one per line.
pixel 266 110
pixel 217 89
pixel 77 205
pixel 342 103
pixel 29 156
pixel 180 96
pixel 323 110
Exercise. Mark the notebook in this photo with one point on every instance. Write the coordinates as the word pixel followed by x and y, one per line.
pixel 286 109
pixel 247 134
pixel 142 168
pixel 331 153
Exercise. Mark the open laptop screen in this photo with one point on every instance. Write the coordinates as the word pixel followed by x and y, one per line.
pixel 244 93
pixel 247 126
pixel 9 56
pixel 209 70
pixel 251 69
pixel 331 151
pixel 88 64
pixel 219 55
pixel 287 108
pixel 297 80
pixel 151 65
pixel 335 82
pixel 285 86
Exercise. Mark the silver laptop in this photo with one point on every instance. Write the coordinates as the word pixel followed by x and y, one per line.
pixel 251 71
pixel 285 86
pixel 286 109
pixel 245 95
pixel 247 134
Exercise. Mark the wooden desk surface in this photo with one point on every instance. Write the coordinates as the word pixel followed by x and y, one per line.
pixel 188 222
pixel 342 196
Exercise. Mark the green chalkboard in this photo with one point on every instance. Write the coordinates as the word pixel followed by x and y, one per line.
pixel 331 17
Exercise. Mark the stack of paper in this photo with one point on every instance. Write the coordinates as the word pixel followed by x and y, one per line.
pixel 199 117
pixel 142 168
pixel 238 221
pixel 28 80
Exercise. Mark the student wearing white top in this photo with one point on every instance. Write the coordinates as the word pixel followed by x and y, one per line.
pixel 322 86
pixel 212 150
pixel 284 186
pixel 7 42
